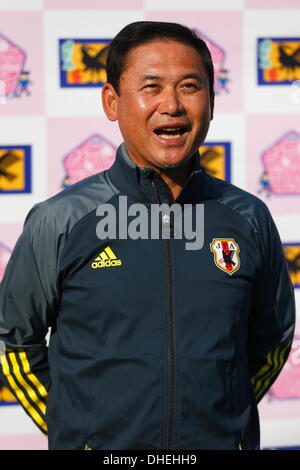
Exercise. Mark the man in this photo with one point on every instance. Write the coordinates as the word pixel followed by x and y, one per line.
pixel 154 344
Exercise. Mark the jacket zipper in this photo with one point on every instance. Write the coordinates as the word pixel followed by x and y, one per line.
pixel 170 342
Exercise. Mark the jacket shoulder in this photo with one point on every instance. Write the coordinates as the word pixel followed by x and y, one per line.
pixel 242 202
pixel 66 208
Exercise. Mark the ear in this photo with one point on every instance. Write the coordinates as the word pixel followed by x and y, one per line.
pixel 110 101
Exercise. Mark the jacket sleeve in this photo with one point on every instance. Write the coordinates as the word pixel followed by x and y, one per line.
pixel 272 313
pixel 28 305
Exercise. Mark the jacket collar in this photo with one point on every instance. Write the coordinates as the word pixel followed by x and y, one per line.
pixel 134 180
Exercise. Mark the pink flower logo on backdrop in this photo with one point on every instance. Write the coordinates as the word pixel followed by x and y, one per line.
pixel 218 55
pixel 95 154
pixel 281 162
pixel 4 257
pixel 14 80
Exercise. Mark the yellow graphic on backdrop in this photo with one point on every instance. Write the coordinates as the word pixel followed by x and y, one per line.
pixel 213 160
pixel 89 61
pixel 285 59
pixel 12 169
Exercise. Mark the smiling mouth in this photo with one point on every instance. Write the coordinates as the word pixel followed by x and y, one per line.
pixel 171 133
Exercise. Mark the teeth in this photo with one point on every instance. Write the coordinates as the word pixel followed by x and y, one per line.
pixel 170 137
pixel 169 133
pixel 168 129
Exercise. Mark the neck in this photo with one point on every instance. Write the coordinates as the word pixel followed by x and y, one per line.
pixel 175 178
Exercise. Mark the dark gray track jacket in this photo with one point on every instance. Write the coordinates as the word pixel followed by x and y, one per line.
pixel 153 346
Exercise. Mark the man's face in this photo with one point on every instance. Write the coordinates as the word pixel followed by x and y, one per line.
pixel 164 107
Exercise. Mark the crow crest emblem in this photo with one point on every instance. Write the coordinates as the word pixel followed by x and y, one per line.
pixel 226 254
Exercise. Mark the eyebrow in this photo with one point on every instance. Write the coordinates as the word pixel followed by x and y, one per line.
pixel 151 77
pixel 195 76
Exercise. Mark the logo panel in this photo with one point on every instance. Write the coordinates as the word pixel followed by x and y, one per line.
pixel 218 55
pixel 226 254
pixel 278 61
pixel 15 169
pixel 281 167
pixel 14 78
pixel 83 62
pixel 215 159
pixel 93 155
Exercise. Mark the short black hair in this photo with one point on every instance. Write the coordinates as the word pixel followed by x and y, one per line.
pixel 141 32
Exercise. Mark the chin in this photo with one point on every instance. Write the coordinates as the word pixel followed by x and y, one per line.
pixel 170 165
pixel 169 162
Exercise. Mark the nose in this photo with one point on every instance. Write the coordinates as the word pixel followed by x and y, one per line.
pixel 170 102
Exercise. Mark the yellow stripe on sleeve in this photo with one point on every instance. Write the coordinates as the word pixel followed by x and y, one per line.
pixel 264 371
pixel 21 397
pixel 42 391
pixel 27 387
pixel 274 364
pixel 280 363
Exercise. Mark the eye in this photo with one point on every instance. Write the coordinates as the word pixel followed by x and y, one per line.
pixel 190 87
pixel 150 87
